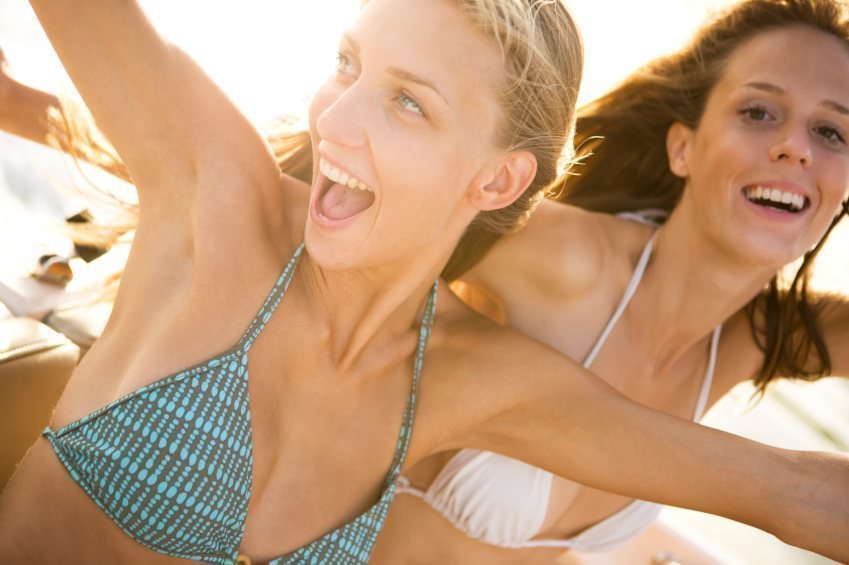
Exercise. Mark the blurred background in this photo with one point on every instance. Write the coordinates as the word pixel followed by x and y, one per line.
pixel 269 56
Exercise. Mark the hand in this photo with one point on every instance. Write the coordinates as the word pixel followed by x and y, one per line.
pixel 23 110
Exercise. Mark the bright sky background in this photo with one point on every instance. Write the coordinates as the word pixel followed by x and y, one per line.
pixel 268 55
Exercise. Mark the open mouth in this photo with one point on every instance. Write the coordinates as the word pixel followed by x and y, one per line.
pixel 341 195
pixel 777 199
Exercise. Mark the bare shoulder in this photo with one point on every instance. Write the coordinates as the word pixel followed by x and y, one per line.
pixel 738 357
pixel 562 252
pixel 555 240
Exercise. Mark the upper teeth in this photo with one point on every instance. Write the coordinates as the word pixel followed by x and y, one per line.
pixel 341 177
pixel 796 201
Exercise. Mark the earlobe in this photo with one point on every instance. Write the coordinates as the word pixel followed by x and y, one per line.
pixel 678 140
pixel 505 183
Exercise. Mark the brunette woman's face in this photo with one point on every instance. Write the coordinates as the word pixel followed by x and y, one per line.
pixel 400 132
pixel 768 166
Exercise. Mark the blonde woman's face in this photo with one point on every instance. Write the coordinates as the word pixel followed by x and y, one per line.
pixel 401 131
pixel 768 166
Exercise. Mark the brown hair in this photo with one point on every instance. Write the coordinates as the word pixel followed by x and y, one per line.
pixel 622 136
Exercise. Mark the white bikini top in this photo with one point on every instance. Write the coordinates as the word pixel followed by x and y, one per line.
pixel 502 501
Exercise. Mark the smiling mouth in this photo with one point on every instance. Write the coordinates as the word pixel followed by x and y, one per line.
pixel 341 195
pixel 777 199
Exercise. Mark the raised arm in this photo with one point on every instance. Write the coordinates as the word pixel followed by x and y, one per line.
pixel 168 121
pixel 553 414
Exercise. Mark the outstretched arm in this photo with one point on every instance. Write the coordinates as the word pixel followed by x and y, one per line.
pixel 170 123
pixel 552 413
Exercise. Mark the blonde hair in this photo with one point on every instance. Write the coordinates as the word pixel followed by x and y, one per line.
pixel 543 60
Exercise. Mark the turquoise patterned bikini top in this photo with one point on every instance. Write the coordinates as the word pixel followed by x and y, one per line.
pixel 171 463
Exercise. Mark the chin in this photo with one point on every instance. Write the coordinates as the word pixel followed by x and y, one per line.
pixel 333 254
pixel 770 253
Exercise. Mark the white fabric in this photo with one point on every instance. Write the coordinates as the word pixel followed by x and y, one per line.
pixel 503 502
pixel 490 497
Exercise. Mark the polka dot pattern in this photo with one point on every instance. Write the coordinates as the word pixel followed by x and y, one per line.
pixel 171 463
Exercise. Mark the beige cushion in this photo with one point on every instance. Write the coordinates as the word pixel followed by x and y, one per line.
pixel 35 363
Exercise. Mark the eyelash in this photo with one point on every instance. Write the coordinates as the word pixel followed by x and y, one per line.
pixel 403 100
pixel 342 61
pixel 830 134
pixel 748 111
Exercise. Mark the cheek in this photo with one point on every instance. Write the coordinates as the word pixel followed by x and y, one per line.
pixel 722 169
pixel 424 194
pixel 840 178
pixel 423 165
pixel 832 180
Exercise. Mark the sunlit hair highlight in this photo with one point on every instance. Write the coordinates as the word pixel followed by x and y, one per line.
pixel 543 61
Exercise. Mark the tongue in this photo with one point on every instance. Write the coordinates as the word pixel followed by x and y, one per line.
pixel 341 202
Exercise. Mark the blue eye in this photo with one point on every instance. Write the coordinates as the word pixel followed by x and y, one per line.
pixel 344 65
pixel 408 104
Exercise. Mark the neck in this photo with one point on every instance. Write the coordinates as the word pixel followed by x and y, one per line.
pixel 360 309
pixel 690 286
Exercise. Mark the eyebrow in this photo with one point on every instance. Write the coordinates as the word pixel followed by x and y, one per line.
pixel 398 72
pixel 767 87
pixel 836 107
pixel 407 75
pixel 354 44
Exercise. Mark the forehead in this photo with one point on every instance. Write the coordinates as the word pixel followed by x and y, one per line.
pixel 433 39
pixel 795 59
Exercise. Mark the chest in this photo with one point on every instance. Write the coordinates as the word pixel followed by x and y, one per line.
pixel 306 447
pixel 321 455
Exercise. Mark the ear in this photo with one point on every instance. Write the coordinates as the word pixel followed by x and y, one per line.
pixel 678 140
pixel 500 185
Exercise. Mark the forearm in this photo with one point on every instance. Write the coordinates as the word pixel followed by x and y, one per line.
pixel 815 504
pixel 592 435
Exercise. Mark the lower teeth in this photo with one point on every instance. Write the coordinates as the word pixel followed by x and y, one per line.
pixel 775 205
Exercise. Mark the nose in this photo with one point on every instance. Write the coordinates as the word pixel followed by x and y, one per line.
pixel 793 146
pixel 341 121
